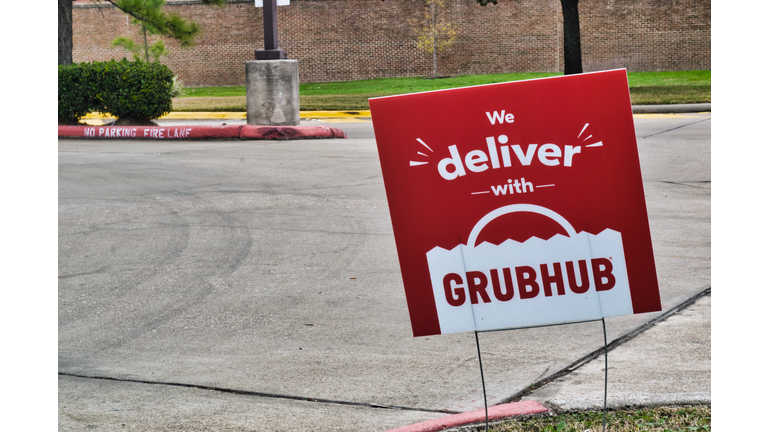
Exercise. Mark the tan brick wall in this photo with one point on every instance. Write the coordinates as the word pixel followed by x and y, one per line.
pixel 339 40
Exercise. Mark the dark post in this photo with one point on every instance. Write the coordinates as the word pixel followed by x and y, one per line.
pixel 271 50
pixel 571 37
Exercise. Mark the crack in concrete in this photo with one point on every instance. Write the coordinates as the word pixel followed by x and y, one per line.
pixel 514 398
pixel 611 346
pixel 67 276
pixel 678 127
pixel 686 183
pixel 260 394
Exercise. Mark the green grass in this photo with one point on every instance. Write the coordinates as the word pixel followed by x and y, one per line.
pixel 657 79
pixel 659 95
pixel 224 91
pixel 660 419
pixel 645 88
pixel 390 86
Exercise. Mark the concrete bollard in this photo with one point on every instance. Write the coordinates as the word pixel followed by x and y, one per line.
pixel 272 92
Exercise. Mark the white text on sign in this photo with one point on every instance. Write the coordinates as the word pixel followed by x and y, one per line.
pixel 477 160
pixel 501 118
pixel 519 186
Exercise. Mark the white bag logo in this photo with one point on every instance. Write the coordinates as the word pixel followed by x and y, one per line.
pixel 563 279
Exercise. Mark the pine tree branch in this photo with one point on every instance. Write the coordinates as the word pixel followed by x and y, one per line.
pixel 169 25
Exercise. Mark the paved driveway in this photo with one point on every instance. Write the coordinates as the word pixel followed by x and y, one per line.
pixel 224 285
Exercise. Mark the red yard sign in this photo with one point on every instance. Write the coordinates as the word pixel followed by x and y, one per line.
pixel 517 204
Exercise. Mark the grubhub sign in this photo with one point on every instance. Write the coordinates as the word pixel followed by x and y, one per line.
pixel 517 204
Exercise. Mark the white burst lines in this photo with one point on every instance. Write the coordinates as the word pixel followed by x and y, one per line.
pixel 417 163
pixel 597 144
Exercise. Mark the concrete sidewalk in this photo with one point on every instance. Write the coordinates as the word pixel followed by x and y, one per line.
pixel 677 373
pixel 255 285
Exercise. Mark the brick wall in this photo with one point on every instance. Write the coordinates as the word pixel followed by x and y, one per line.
pixel 339 40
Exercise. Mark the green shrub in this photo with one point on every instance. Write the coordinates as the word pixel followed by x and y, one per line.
pixel 125 89
pixel 77 92
pixel 137 90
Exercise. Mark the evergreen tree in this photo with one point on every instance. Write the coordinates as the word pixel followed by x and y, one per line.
pixel 157 49
pixel 168 25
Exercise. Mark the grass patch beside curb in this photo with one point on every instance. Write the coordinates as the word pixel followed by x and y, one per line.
pixel 210 104
pixel 306 103
pixel 656 95
pixel 655 419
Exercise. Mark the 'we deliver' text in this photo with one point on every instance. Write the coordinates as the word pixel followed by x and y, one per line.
pixel 477 160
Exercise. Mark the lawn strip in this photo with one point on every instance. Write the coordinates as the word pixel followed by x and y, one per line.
pixel 402 85
pixel 652 95
pixel 661 95
pixel 211 104
pixel 652 419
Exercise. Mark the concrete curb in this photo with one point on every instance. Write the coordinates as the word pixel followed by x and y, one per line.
pixel 494 413
pixel 670 109
pixel 228 115
pixel 223 132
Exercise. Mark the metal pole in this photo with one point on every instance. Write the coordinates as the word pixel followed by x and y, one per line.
pixel 482 378
pixel 605 395
pixel 271 49
pixel 270 24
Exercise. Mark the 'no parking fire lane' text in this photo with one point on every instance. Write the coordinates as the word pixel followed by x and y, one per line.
pixel 132 132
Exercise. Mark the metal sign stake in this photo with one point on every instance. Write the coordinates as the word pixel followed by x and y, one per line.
pixel 482 378
pixel 605 395
pixel 605 348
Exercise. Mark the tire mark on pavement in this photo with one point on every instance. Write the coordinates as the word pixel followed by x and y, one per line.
pixel 130 279
pixel 232 253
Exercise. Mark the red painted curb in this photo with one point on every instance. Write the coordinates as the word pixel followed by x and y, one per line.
pixel 201 132
pixel 150 132
pixel 290 132
pixel 494 413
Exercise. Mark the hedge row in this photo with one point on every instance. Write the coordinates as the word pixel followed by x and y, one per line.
pixel 124 89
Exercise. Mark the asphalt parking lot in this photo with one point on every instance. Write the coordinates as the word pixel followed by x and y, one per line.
pixel 254 285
